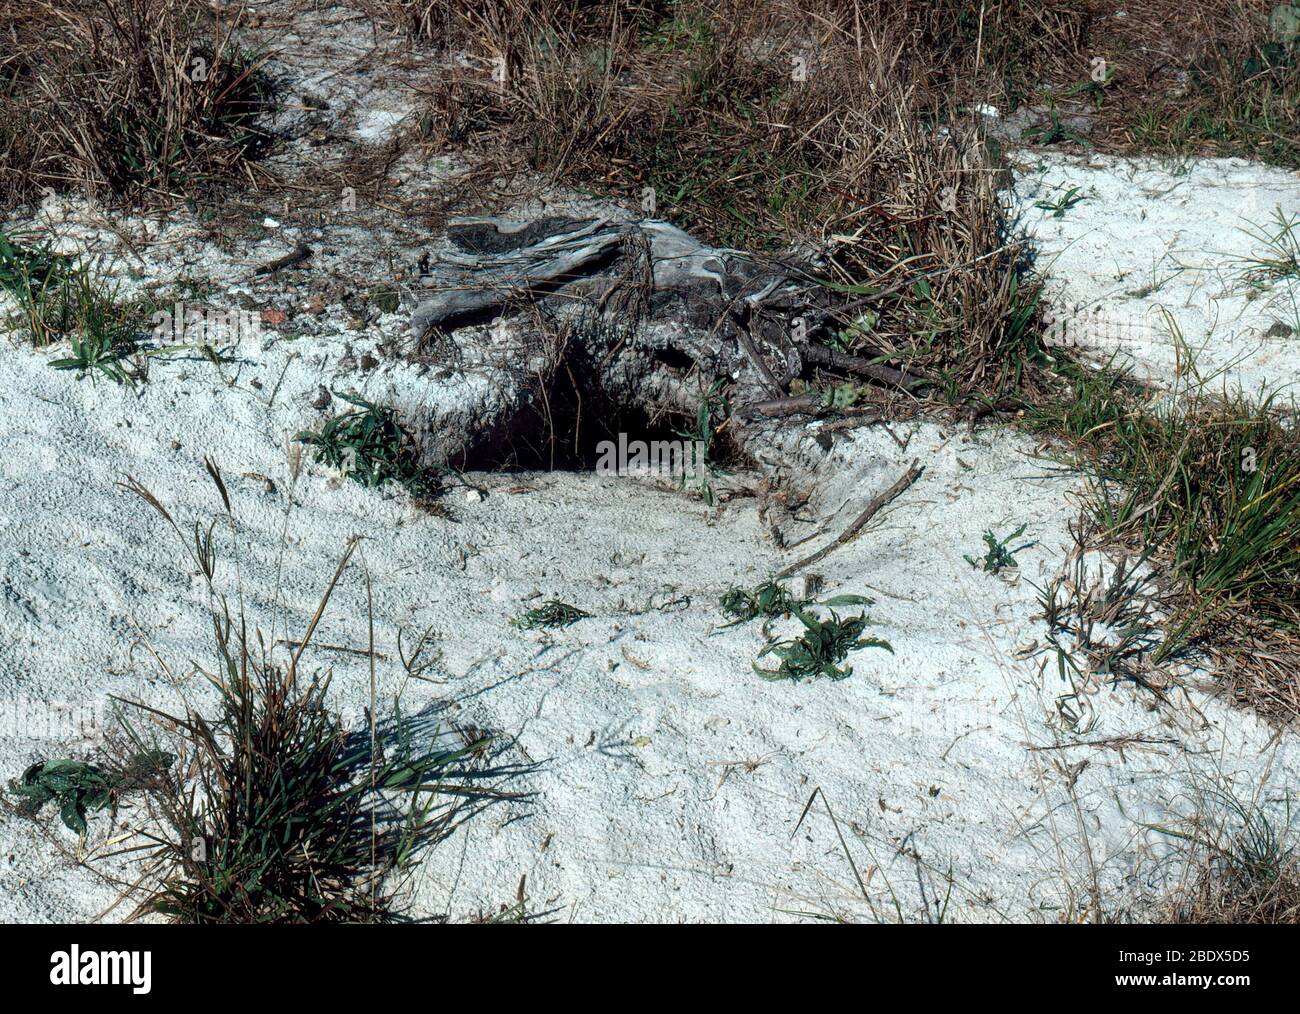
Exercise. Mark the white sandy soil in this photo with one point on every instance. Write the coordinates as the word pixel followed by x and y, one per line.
pixel 660 777
pixel 1154 251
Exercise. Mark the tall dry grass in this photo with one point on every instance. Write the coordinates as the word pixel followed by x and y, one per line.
pixel 124 98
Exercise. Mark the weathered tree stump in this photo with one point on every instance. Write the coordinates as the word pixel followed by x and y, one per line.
pixel 594 321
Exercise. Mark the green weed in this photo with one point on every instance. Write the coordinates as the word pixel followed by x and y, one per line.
pixel 1053 132
pixel 772 600
pixel 822 648
pixel 998 556
pixel 1062 204
pixel 369 445
pixel 550 614
pixel 77 787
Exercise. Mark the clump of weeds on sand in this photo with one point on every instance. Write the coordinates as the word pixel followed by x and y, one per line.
pixel 1206 487
pixel 78 787
pixel 277 811
pixel 998 556
pixel 1281 255
pixel 550 615
pixel 821 650
pixel 60 297
pixel 1233 861
pixel 772 600
pixel 369 445
pixel 65 298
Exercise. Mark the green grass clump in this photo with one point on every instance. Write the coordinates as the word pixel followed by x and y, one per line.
pixel 1211 485
pixel 59 296
pixel 27 270
pixel 369 445
pixel 550 614
pixel 822 648
pixel 278 811
pixel 282 824
pixel 62 298
pixel 1281 255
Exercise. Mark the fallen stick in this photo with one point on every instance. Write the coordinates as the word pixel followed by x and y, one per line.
pixel 300 253
pixel 820 356
pixel 870 511
pixel 799 404
pixel 803 404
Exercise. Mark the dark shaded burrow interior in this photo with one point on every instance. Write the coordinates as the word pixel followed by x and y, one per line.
pixel 560 424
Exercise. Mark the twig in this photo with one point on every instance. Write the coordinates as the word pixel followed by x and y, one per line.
pixel 820 356
pixel 362 652
pixel 903 481
pixel 801 404
pixel 747 344
pixel 300 253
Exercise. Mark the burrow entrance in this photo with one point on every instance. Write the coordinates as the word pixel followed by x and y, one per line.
pixel 562 421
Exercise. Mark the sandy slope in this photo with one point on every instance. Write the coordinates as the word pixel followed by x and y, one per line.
pixel 663 779
pixel 668 778
pixel 1151 250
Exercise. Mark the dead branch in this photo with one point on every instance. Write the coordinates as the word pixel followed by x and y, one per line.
pixel 906 479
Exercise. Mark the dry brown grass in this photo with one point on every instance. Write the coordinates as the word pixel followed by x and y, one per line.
pixel 124 98
pixel 1231 865
pixel 731 119
pixel 841 128
pixel 1208 78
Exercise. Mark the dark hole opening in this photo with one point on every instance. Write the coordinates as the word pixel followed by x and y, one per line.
pixel 563 425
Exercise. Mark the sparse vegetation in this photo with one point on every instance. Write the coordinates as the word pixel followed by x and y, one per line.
pixel 1234 864
pixel 66 298
pixel 1102 627
pixel 1053 132
pixel 369 445
pixel 772 600
pixel 1207 488
pixel 276 811
pixel 550 614
pixel 59 297
pixel 855 141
